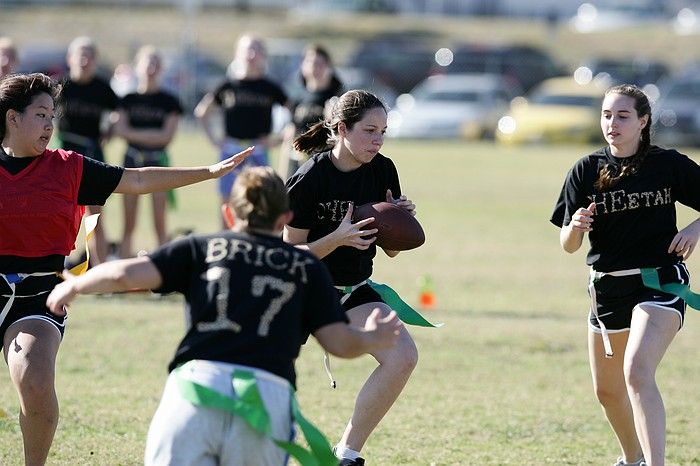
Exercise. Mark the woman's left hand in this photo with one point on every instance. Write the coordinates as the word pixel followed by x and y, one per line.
pixel 402 201
pixel 226 166
pixel 684 242
pixel 61 296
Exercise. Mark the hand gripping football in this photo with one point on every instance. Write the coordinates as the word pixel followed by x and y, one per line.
pixel 398 230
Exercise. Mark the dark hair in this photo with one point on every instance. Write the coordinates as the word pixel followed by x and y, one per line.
pixel 17 91
pixel 259 197
pixel 319 50
pixel 323 52
pixel 610 175
pixel 349 108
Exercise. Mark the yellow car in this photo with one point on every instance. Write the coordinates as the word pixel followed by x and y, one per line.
pixel 558 110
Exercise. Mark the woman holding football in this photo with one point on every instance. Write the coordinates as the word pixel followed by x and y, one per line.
pixel 346 170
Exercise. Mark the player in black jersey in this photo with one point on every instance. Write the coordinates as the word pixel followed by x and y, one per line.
pixel 252 300
pixel 42 197
pixel 322 193
pixel 624 197
pixel 85 102
pixel 246 100
pixel 147 119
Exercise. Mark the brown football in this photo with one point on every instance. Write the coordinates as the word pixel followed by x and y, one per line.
pixel 398 230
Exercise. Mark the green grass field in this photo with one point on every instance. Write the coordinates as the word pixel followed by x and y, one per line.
pixel 504 382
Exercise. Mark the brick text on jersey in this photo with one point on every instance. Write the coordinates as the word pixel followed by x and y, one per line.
pixel 293 262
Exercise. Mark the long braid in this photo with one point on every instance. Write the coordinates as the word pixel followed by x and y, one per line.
pixel 610 175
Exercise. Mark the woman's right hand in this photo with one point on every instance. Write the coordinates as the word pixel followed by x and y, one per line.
pixel 386 329
pixel 352 234
pixel 582 219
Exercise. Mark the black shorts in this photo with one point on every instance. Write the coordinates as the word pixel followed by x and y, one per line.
pixel 616 297
pixel 362 295
pixel 139 158
pixel 30 302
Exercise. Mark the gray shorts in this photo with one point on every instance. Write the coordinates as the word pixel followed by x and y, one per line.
pixel 182 434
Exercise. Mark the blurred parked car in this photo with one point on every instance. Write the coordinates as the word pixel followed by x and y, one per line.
pixel 325 7
pixel 398 63
pixel 558 110
pixel 358 78
pixel 49 60
pixel 454 105
pixel 640 72
pixel 189 75
pixel 524 65
pixel 677 112
pixel 605 16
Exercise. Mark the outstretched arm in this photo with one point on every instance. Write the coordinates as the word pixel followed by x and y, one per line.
pixel 155 179
pixel 108 277
pixel 346 341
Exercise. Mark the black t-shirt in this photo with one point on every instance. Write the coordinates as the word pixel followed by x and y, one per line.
pixel 99 180
pixel 250 299
pixel 635 221
pixel 80 107
pixel 308 110
pixel 149 111
pixel 319 196
pixel 247 106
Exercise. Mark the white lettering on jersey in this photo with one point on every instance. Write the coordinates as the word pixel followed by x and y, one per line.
pixel 294 263
pixel 287 289
pixel 218 279
pixel 620 200
pixel 333 210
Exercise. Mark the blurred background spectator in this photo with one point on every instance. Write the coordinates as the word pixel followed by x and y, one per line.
pixel 147 119
pixel 83 109
pixel 319 84
pixel 8 56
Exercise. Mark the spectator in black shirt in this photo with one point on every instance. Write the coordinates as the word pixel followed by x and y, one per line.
pixel 247 100
pixel 148 120
pixel 320 86
pixel 86 101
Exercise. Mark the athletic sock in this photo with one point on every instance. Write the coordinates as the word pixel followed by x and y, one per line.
pixel 346 453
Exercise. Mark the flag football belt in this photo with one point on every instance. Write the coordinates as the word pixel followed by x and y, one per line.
pixel 650 279
pixel 12 279
pixel 405 313
pixel 90 223
pixel 249 406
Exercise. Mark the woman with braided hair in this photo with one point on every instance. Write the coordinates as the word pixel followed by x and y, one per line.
pixel 624 196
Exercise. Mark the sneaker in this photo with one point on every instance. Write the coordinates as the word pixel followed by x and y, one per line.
pixel 620 462
pixel 349 462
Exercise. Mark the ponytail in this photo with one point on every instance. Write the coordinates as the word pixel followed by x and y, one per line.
pixel 315 139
